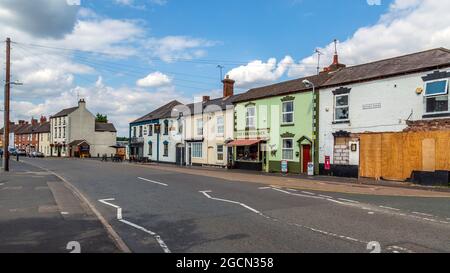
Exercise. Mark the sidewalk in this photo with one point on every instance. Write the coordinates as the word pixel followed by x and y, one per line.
pixel 318 183
pixel 39 214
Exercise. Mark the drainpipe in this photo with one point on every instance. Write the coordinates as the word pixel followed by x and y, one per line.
pixel 157 145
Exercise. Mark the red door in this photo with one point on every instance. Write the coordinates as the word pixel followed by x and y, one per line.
pixel 306 157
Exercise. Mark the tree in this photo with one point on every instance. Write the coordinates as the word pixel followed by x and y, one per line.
pixel 101 118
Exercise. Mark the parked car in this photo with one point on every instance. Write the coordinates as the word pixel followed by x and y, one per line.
pixel 12 151
pixel 37 154
pixel 21 152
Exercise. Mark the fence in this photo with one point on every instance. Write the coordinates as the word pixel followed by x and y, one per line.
pixel 394 156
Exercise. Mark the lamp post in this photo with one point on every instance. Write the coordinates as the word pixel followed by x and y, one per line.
pixel 309 84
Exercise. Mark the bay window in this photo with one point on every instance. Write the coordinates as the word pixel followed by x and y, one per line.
pixel 197 150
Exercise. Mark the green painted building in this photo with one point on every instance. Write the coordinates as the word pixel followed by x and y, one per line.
pixel 275 124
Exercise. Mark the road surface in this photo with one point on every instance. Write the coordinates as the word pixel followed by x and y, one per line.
pixel 156 211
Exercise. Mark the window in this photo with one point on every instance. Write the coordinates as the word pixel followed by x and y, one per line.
pixel 200 127
pixel 341 108
pixel 150 130
pixel 166 127
pixel 250 118
pixel 220 152
pixel 197 150
pixel 288 149
pixel 220 126
pixel 150 148
pixel 166 149
pixel 288 112
pixel 140 131
pixel 64 132
pixel 436 96
pixel 134 132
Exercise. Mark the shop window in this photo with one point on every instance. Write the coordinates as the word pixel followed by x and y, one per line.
pixel 247 153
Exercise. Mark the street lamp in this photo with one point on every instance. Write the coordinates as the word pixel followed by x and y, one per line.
pixel 6 123
pixel 309 84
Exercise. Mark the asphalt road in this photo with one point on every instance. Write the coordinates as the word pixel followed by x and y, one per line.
pixel 161 211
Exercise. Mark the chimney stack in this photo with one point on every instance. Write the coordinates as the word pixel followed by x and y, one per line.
pixel 335 65
pixel 34 122
pixel 21 122
pixel 228 87
pixel 82 103
pixel 206 98
pixel 43 119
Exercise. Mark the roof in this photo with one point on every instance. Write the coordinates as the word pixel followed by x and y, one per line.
pixel 27 129
pixel 283 88
pixel 407 64
pixel 208 106
pixel 160 113
pixel 78 142
pixel 105 127
pixel 14 127
pixel 65 112
pixel 43 128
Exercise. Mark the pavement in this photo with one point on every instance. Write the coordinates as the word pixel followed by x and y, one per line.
pixel 318 183
pixel 40 214
pixel 161 209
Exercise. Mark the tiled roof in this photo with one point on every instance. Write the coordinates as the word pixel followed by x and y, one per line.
pixel 160 113
pixel 105 127
pixel 283 88
pixel 43 128
pixel 209 106
pixel 65 112
pixel 407 64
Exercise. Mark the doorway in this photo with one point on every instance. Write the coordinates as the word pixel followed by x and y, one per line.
pixel 306 157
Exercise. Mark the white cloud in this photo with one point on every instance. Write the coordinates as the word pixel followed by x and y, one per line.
pixel 171 48
pixel 155 79
pixel 258 72
pixel 408 26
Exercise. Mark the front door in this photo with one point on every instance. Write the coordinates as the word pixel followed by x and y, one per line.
pixel 306 157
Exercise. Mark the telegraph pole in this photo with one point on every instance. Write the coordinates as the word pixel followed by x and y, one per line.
pixel 6 112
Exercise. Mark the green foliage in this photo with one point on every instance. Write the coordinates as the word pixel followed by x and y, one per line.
pixel 101 118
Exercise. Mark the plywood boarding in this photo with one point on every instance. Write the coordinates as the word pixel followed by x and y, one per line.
pixel 394 156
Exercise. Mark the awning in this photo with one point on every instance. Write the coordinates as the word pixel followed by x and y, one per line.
pixel 244 142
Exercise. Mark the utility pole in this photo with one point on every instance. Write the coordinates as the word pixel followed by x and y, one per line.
pixel 6 113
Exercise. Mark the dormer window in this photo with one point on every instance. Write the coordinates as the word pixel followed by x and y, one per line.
pixel 436 96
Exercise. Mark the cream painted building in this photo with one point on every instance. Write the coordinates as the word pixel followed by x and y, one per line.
pixel 75 133
pixel 44 136
pixel 209 128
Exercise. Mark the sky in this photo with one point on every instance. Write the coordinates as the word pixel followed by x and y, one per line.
pixel 129 57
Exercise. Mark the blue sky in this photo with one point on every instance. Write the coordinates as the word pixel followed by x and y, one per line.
pixel 128 57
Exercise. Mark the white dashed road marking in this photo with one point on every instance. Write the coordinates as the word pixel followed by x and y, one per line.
pixel 154 182
pixel 207 194
pixel 348 200
pixel 119 217
pixel 309 193
pixel 423 214
pixel 383 207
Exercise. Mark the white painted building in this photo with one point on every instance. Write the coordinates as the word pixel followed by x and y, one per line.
pixel 158 136
pixel 379 97
pixel 74 133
